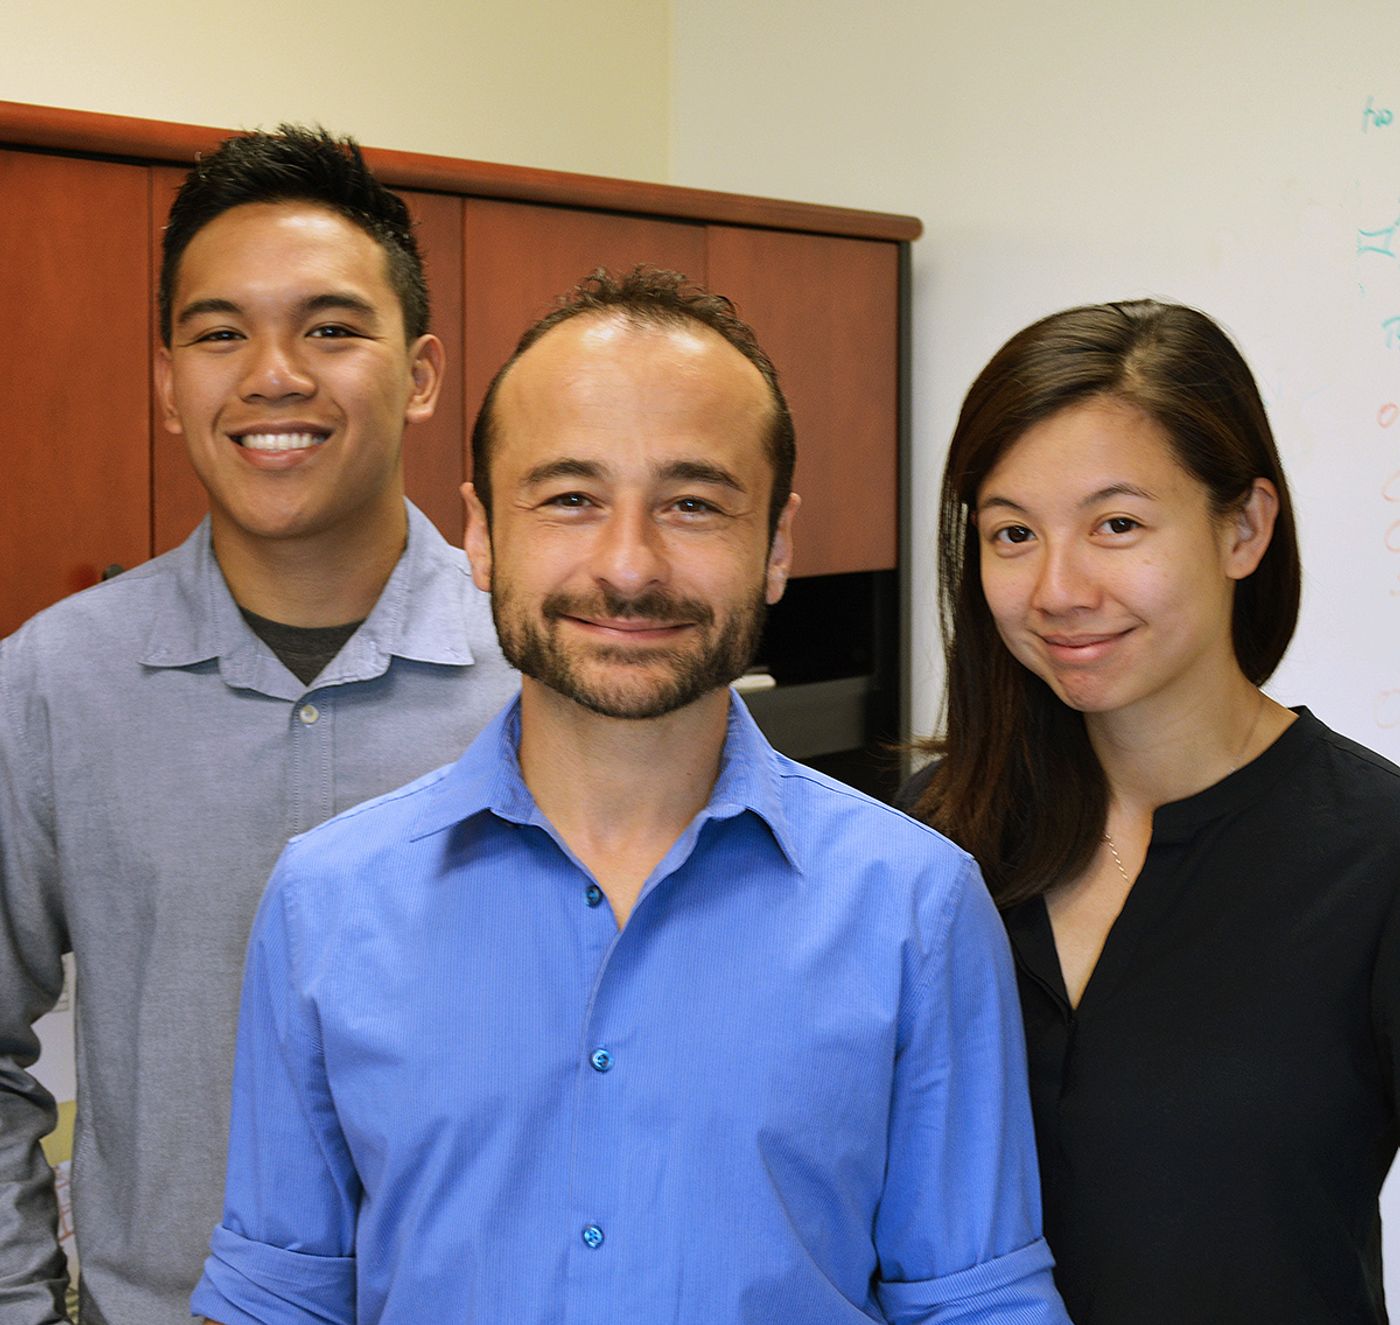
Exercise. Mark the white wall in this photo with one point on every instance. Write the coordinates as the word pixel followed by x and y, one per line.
pixel 564 84
pixel 1062 153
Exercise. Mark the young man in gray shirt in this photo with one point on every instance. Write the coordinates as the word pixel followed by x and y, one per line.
pixel 313 643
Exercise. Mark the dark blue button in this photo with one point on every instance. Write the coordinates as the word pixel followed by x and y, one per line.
pixel 592 1236
pixel 601 1059
pixel 593 894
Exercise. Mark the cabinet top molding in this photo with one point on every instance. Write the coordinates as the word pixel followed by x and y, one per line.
pixel 91 134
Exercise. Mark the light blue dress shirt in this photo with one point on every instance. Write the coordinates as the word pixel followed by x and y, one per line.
pixel 155 756
pixel 792 1089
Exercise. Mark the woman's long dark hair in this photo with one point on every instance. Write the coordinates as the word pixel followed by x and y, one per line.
pixel 1017 782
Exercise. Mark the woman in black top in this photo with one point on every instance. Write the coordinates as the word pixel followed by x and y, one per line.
pixel 1202 888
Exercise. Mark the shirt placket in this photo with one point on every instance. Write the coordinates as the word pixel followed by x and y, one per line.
pixel 311 733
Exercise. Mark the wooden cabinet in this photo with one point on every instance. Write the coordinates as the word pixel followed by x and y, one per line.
pixel 92 479
pixel 827 311
pixel 520 257
pixel 434 462
pixel 74 281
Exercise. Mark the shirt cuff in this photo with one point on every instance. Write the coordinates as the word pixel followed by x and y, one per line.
pixel 253 1283
pixel 1016 1289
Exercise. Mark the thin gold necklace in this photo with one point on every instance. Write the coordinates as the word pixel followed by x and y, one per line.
pixel 1117 859
pixel 1235 768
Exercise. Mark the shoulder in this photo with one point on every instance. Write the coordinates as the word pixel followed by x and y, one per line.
pixel 1364 763
pixel 98 628
pixel 847 829
pixel 907 797
pixel 1338 770
pixel 371 830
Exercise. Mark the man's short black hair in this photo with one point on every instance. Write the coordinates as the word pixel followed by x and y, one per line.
pixel 651 296
pixel 296 164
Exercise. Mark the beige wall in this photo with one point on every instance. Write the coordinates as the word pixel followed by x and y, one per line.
pixel 565 84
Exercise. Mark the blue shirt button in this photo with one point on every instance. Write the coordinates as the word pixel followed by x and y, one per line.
pixel 601 1059
pixel 592 1236
pixel 593 894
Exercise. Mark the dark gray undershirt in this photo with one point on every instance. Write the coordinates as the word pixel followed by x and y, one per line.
pixel 303 650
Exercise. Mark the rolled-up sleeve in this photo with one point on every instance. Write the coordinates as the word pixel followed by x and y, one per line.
pixel 958 1231
pixel 284 1253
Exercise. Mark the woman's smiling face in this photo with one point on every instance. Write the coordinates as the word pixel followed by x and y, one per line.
pixel 1104 567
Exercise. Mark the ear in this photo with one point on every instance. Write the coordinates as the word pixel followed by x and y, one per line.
pixel 426 359
pixel 1249 529
pixel 165 391
pixel 478 539
pixel 780 553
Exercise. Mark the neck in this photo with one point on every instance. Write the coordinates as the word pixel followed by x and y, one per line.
pixel 317 580
pixel 619 791
pixel 1151 759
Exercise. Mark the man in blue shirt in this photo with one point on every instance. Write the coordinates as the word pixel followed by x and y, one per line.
pixel 624 1016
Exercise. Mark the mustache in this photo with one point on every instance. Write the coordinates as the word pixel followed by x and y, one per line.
pixel 649 605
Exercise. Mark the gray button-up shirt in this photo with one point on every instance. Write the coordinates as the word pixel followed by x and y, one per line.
pixel 154 757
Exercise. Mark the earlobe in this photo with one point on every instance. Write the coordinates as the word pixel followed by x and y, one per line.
pixel 780 553
pixel 165 392
pixel 1251 528
pixel 427 362
pixel 478 539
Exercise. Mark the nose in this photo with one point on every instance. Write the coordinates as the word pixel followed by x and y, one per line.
pixel 1064 582
pixel 276 370
pixel 628 554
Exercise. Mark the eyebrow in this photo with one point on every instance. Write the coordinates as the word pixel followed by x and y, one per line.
pixel 340 299
pixel 1093 499
pixel 202 306
pixel 329 301
pixel 564 468
pixel 702 471
pixel 693 471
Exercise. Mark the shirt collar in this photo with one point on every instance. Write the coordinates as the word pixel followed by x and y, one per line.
pixel 487 778
pixel 419 616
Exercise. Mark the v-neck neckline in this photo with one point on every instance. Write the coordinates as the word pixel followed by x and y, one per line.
pixel 1032 934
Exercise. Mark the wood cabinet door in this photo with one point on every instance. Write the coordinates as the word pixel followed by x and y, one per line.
pixel 178 496
pixel 74 282
pixel 434 456
pixel 520 256
pixel 827 311
pixel 433 451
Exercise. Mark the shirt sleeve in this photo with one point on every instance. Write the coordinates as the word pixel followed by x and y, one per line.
pixel 284 1251
pixel 33 939
pixel 958 1234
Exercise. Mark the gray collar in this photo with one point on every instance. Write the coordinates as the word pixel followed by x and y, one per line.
pixel 419 616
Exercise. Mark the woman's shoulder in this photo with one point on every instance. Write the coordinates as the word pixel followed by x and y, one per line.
pixel 1368 770
pixel 907 797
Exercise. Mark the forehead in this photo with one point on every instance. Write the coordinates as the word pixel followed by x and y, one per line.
pixel 601 387
pixel 281 244
pixel 1095 443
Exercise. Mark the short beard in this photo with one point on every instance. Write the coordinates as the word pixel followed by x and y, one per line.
pixel 535 650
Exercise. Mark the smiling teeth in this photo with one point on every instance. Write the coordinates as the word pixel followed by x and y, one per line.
pixel 280 441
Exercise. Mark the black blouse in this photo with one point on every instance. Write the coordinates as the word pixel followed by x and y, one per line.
pixel 1216 1117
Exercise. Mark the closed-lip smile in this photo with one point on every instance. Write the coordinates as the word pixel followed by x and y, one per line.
pixel 1081 648
pixel 637 626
